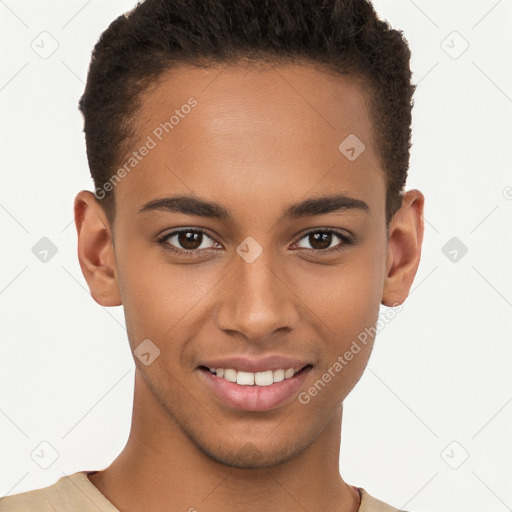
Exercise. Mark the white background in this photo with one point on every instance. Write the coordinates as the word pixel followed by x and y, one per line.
pixel 440 371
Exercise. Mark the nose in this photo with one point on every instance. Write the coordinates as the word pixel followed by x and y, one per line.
pixel 258 300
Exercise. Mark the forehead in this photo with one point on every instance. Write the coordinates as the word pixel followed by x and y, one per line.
pixel 266 129
pixel 230 94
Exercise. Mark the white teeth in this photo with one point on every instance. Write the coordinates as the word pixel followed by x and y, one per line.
pixel 289 373
pixel 230 375
pixel 278 375
pixel 265 378
pixel 245 378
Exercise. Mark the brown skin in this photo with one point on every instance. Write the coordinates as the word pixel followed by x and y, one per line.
pixel 258 141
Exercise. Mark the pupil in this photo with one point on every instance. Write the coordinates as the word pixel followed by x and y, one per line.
pixel 323 238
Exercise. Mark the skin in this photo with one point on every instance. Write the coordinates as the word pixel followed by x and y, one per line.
pixel 259 140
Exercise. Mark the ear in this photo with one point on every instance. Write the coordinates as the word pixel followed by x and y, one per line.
pixel 404 248
pixel 96 249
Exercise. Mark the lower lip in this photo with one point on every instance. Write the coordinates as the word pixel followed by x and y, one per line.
pixel 254 398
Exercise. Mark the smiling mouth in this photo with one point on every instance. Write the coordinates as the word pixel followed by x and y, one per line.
pixel 264 378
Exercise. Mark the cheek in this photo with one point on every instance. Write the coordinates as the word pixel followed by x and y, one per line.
pixel 348 314
pixel 346 298
pixel 142 287
pixel 346 303
pixel 158 296
pixel 362 284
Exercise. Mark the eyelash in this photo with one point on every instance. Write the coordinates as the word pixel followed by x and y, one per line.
pixel 346 241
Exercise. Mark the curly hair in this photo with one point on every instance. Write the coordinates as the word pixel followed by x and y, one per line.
pixel 342 36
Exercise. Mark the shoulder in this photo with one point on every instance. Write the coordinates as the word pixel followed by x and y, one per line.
pixel 69 493
pixel 371 504
pixel 29 501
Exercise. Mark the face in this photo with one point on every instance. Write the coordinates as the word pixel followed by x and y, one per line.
pixel 261 281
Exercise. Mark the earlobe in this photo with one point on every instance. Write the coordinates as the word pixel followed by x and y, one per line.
pixel 96 250
pixel 404 248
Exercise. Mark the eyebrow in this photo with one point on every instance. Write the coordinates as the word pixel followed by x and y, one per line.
pixel 191 205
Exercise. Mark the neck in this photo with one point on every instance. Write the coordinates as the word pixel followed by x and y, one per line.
pixel 160 468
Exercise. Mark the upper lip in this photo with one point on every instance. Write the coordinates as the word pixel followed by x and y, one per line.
pixel 254 365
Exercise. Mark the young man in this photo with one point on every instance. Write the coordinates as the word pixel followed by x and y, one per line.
pixel 249 160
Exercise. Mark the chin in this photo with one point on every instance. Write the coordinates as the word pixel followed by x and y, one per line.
pixel 248 455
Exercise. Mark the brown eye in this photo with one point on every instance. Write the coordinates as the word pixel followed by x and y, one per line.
pixel 187 240
pixel 325 240
pixel 321 240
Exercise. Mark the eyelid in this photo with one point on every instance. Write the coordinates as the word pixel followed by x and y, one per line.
pixel 337 231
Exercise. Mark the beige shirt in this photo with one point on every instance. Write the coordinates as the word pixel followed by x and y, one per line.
pixel 76 493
